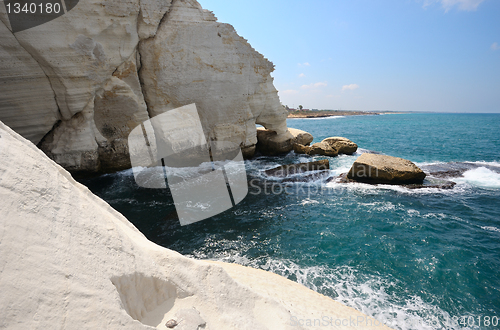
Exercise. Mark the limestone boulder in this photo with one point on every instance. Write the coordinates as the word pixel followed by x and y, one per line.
pixel 323 149
pixel 381 169
pixel 343 145
pixel 301 137
pixel 320 148
pixel 272 143
pixel 301 149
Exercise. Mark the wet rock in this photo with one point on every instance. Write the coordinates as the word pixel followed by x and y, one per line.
pixel 436 184
pixel 314 176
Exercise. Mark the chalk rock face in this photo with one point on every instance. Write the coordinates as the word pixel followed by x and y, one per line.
pixel 27 102
pixel 195 59
pixel 70 261
pixel 372 168
pixel 72 85
pixel 343 145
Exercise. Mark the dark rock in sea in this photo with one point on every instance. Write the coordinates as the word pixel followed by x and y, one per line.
pixel 371 168
pixel 448 174
pixel 314 176
pixel 431 183
pixel 442 185
pixel 291 169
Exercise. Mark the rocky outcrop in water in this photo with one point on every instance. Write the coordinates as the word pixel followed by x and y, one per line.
pixel 371 168
pixel 77 85
pixel 342 144
pixel 332 147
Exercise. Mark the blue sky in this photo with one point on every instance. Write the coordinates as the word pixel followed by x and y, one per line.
pixel 399 55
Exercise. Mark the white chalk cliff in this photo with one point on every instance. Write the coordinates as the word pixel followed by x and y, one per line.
pixel 77 85
pixel 70 261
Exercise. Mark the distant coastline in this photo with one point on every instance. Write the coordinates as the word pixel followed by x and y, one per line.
pixel 332 113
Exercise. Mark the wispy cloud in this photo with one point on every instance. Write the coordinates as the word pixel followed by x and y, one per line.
pixel 465 5
pixel 304 64
pixel 350 87
pixel 495 46
pixel 302 75
pixel 289 92
pixel 316 85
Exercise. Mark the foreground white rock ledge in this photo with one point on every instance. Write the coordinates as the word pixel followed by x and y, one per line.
pixel 70 261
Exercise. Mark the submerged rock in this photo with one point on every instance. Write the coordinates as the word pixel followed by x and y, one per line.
pixel 435 184
pixel 291 169
pixel 343 145
pixel 371 168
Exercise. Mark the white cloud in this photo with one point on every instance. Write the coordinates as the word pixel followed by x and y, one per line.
pixel 289 92
pixel 466 5
pixel 304 64
pixel 495 46
pixel 350 87
pixel 302 75
pixel 316 85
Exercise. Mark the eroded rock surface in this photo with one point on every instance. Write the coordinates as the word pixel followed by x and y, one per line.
pixel 75 81
pixel 343 145
pixel 300 136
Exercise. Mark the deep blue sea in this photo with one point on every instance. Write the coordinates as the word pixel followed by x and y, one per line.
pixel 413 259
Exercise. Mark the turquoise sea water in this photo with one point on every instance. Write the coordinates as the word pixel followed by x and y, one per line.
pixel 413 259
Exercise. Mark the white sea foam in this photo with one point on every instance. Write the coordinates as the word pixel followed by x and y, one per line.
pixel 495 164
pixel 481 177
pixel 373 295
pixel 490 228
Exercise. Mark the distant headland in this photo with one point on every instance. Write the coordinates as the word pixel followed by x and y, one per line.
pixel 315 113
